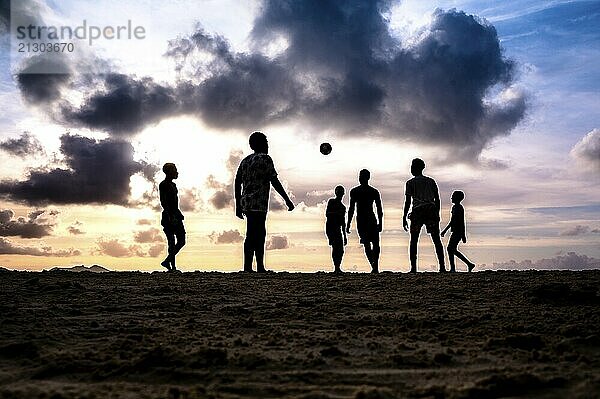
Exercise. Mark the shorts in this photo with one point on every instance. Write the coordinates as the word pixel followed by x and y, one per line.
pixel 368 230
pixel 426 215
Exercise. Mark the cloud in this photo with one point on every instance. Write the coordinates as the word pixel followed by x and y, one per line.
pixel 36 225
pixel 147 236
pixel 277 242
pixel 8 248
pixel 226 237
pixel 570 261
pixel 26 144
pixel 144 222
pixel 189 200
pixel 223 195
pixel 97 172
pixel 124 107
pixel 587 150
pixel 75 231
pixel 575 231
pixel 118 249
pixel 340 70
pixel 156 250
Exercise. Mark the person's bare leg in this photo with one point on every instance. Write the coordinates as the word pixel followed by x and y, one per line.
pixel 368 252
pixel 414 243
pixel 170 247
pixel 176 249
pixel 259 249
pixel 451 259
pixel 439 251
pixel 375 256
pixel 462 257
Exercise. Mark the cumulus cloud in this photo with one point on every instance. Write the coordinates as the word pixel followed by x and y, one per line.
pixel 189 200
pixel 570 261
pixel 156 250
pixel 125 106
pixel 226 237
pixel 147 236
pixel 575 231
pixel 277 242
pixel 120 249
pixel 35 225
pixel 26 144
pixel 340 70
pixel 587 150
pixel 8 248
pixel 97 172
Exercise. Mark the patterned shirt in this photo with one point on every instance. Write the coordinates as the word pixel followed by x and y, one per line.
pixel 255 172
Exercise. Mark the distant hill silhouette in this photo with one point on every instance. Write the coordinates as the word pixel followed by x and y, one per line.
pixel 3 269
pixel 82 268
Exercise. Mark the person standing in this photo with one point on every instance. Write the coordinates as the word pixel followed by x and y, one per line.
pixel 171 218
pixel 362 198
pixel 422 192
pixel 255 175
pixel 334 227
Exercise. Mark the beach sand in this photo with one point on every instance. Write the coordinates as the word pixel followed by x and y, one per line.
pixel 312 336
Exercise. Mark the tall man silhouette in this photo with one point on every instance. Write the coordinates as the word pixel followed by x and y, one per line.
pixel 362 197
pixel 423 192
pixel 253 181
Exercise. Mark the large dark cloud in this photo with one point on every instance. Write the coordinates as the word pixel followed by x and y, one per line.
pixel 125 106
pixel 35 225
pixel 97 172
pixel 341 70
pixel 25 145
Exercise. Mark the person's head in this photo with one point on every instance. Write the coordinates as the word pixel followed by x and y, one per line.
pixel 417 166
pixel 364 176
pixel 339 192
pixel 170 170
pixel 258 142
pixel 457 197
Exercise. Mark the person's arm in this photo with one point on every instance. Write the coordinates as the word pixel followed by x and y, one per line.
pixel 279 188
pixel 379 212
pixel 238 194
pixel 350 212
pixel 448 226
pixel 436 198
pixel 343 222
pixel 406 208
pixel 464 226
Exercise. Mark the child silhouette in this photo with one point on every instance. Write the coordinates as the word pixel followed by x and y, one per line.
pixel 334 227
pixel 457 225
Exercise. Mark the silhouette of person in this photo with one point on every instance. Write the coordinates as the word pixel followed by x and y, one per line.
pixel 362 197
pixel 172 218
pixel 423 192
pixel 334 227
pixel 459 232
pixel 253 181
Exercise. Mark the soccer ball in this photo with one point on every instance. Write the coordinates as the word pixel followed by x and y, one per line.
pixel 325 148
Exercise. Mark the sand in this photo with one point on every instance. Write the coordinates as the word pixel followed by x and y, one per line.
pixel 203 335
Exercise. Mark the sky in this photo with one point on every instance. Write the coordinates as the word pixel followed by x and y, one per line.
pixel 500 98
